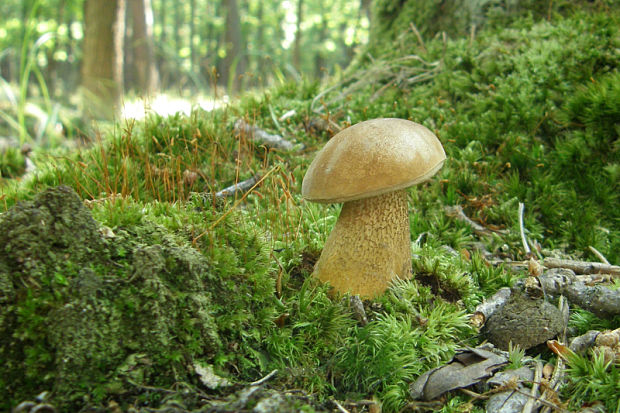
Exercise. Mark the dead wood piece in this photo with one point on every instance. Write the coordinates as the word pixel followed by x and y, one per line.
pixel 357 307
pixel 239 187
pixel 583 267
pixel 598 254
pixel 526 246
pixel 584 342
pixel 509 400
pixel 469 366
pixel 264 379
pixel 488 307
pixel 602 301
pixel 259 135
pixel 456 211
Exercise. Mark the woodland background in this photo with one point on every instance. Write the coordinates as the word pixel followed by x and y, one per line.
pixel 133 278
pixel 111 47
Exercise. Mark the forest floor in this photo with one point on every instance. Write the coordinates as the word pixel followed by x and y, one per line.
pixel 133 278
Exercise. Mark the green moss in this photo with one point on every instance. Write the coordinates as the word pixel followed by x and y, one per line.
pixel 92 315
pixel 12 163
pixel 164 276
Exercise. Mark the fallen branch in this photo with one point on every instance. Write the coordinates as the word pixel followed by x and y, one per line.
pixel 259 135
pixel 456 211
pixel 583 267
pixel 526 246
pixel 584 342
pixel 264 379
pixel 602 301
pixel 600 256
pixel 358 309
pixel 488 307
pixel 239 187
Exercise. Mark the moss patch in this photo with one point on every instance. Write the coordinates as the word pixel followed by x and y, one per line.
pixel 87 316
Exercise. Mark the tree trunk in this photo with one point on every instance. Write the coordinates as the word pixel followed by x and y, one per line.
pixel 102 65
pixel 365 7
pixel 233 62
pixel 260 47
pixel 192 34
pixel 143 49
pixel 52 63
pixel 319 57
pixel 162 57
pixel 297 49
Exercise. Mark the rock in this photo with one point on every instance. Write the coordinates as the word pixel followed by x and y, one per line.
pixel 54 226
pixel 524 321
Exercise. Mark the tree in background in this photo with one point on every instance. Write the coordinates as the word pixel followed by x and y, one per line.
pixel 233 59
pixel 102 64
pixel 142 47
pixel 298 34
pixel 194 46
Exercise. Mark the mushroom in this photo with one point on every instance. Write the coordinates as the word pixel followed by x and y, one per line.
pixel 368 166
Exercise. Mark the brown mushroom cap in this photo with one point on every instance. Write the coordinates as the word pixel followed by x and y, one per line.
pixel 372 158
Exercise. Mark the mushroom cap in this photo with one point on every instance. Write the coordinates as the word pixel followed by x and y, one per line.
pixel 372 158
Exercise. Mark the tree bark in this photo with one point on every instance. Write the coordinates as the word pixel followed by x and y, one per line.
pixel 233 62
pixel 102 65
pixel 192 34
pixel 147 77
pixel 297 49
pixel 319 57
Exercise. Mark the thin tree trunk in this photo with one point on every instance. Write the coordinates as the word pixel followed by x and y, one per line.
pixel 52 63
pixel 365 7
pixel 179 19
pixel 102 65
pixel 162 41
pixel 319 59
pixel 297 49
pixel 233 63
pixel 192 34
pixel 143 49
pixel 260 49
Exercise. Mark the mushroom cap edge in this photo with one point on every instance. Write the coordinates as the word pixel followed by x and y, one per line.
pixel 372 158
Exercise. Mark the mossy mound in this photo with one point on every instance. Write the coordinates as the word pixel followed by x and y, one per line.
pixel 88 316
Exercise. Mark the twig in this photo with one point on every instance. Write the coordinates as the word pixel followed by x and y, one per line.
pixel 287 115
pixel 257 134
pixel 472 34
pixel 584 342
pixel 602 301
pixel 526 247
pixel 529 405
pixel 264 379
pixel 488 307
pixel 236 204
pixel 238 187
pixel 543 402
pixel 600 256
pixel 456 211
pixel 339 406
pixel 417 34
pixel 583 267
pixel 555 382
pixel 358 309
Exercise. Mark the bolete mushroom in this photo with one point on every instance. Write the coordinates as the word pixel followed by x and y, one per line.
pixel 368 166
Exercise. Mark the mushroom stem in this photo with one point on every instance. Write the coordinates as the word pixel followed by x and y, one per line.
pixel 369 246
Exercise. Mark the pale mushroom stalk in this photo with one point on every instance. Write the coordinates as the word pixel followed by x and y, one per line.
pixel 369 245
